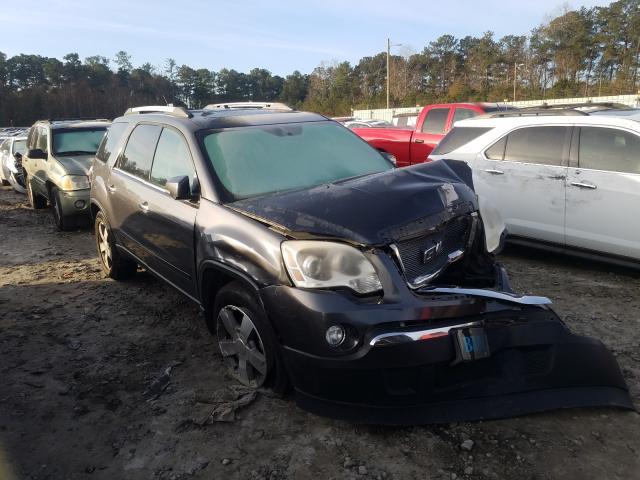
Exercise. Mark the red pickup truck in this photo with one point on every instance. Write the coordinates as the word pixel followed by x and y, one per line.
pixel 411 146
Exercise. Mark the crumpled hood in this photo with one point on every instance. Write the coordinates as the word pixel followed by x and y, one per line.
pixel 371 210
pixel 76 165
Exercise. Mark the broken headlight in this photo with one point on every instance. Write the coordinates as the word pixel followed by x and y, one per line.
pixel 318 264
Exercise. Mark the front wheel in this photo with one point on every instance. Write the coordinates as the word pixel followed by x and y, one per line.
pixel 62 221
pixel 247 341
pixel 114 265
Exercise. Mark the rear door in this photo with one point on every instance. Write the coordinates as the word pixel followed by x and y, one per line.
pixel 523 174
pixel 603 191
pixel 127 188
pixel 433 125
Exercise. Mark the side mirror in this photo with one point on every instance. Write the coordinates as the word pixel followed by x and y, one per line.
pixel 17 156
pixel 37 153
pixel 179 187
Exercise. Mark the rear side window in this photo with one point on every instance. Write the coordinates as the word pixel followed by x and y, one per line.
pixel 458 137
pixel 609 149
pixel 110 140
pixel 41 141
pixel 435 121
pixel 540 145
pixel 496 151
pixel 172 159
pixel 138 154
pixel 464 113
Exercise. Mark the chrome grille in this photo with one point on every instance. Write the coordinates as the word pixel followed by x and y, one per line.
pixel 423 258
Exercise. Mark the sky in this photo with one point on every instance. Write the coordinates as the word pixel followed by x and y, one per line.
pixel 279 35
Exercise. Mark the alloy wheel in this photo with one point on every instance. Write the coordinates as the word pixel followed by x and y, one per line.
pixel 103 245
pixel 241 346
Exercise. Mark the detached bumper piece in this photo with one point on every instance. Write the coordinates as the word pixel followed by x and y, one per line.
pixel 418 378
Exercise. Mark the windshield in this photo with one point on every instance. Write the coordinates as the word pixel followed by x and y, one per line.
pixel 251 161
pixel 19 146
pixel 77 141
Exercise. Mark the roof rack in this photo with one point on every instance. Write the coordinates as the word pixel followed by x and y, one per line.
pixel 180 112
pixel 526 112
pixel 581 105
pixel 74 119
pixel 250 105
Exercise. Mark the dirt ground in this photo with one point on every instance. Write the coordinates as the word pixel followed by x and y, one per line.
pixel 108 380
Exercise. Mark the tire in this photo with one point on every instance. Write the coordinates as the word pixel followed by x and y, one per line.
pixel 246 340
pixel 35 201
pixel 64 223
pixel 113 263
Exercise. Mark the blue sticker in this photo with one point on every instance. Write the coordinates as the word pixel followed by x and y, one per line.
pixel 468 344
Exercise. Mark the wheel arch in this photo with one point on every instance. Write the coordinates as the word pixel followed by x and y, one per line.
pixel 214 275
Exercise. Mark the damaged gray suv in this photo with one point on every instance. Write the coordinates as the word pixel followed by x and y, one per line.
pixel 373 292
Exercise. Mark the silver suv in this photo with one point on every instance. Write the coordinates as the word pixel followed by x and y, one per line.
pixel 56 166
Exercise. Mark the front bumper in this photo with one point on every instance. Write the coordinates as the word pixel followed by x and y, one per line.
pixel 393 377
pixel 75 203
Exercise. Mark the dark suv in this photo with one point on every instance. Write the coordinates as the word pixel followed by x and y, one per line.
pixel 372 291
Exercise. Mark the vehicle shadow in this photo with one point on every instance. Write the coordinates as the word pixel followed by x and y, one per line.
pixel 565 261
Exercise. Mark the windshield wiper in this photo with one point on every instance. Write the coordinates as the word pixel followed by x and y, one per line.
pixel 74 152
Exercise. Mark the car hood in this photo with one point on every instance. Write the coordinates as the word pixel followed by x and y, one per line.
pixel 371 210
pixel 76 165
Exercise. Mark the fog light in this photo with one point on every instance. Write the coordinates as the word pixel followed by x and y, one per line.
pixel 335 335
pixel 79 204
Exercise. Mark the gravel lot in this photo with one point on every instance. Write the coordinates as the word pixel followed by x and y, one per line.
pixel 107 381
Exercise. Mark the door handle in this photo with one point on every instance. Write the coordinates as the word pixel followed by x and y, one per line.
pixel 418 140
pixel 494 172
pixel 584 185
pixel 111 188
pixel 144 206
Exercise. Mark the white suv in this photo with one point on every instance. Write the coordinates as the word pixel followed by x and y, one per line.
pixel 565 178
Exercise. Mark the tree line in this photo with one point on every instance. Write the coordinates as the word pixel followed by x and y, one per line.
pixel 583 52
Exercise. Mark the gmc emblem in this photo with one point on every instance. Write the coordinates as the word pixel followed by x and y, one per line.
pixel 431 252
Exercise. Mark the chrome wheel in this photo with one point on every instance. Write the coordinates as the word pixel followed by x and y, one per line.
pixel 241 346
pixel 103 245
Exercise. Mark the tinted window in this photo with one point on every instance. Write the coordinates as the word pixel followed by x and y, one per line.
pixel 77 141
pixel 110 140
pixel 435 121
pixel 496 151
pixel 609 149
pixel 541 145
pixel 172 158
pixel 458 137
pixel 251 161
pixel 463 113
pixel 138 154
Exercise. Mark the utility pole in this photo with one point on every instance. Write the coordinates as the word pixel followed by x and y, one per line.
pixel 389 45
pixel 388 54
pixel 515 77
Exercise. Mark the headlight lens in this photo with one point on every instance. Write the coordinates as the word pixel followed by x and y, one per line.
pixel 318 264
pixel 74 182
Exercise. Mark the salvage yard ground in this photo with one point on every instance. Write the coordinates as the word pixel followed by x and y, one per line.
pixel 108 380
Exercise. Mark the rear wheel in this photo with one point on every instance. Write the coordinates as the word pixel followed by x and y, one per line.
pixel 247 341
pixel 35 201
pixel 113 263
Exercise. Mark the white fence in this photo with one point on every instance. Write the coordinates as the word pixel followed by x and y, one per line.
pixel 387 114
